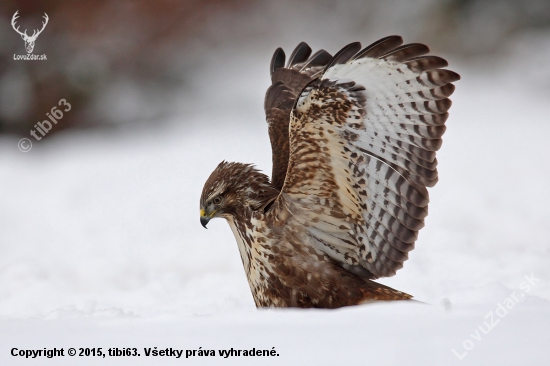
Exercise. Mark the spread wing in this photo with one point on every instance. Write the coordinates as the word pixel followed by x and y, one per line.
pixel 287 83
pixel 363 142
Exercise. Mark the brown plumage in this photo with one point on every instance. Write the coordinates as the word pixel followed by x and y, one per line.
pixel 354 139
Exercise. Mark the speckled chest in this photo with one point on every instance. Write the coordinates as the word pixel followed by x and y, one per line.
pixel 279 260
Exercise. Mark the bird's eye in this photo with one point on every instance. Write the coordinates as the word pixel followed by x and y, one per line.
pixel 217 200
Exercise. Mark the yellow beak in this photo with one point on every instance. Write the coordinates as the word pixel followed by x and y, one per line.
pixel 204 218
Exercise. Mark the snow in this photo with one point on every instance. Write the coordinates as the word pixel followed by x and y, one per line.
pixel 102 247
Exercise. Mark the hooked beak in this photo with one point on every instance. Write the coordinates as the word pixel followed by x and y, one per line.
pixel 204 218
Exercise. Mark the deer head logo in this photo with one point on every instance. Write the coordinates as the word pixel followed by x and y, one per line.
pixel 29 40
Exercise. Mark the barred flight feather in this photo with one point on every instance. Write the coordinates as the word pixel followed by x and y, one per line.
pixel 387 115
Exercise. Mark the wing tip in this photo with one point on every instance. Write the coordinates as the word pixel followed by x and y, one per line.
pixel 405 52
pixel 300 54
pixel 380 47
pixel 277 61
pixel 319 58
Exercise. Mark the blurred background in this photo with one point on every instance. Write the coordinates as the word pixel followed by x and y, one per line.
pixel 100 218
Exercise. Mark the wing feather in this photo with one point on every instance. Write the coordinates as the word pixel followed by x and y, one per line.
pixel 404 53
pixel 362 150
pixel 380 47
pixel 300 54
pixel 287 83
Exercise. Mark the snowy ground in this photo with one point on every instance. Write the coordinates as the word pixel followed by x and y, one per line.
pixel 102 247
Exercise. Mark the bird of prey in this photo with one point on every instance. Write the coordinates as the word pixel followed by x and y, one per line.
pixel 354 139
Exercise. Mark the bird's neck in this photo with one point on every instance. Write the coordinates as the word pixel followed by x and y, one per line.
pixel 243 232
pixel 253 252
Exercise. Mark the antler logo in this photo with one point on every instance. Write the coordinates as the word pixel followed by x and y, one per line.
pixel 29 40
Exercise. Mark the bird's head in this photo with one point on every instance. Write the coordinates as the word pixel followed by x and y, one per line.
pixel 233 188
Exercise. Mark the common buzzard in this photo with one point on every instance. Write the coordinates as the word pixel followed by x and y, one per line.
pixel 354 139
